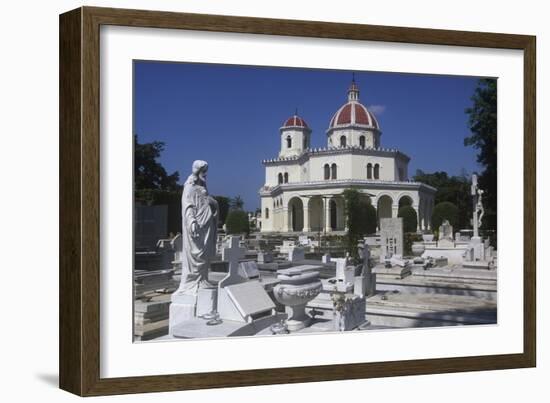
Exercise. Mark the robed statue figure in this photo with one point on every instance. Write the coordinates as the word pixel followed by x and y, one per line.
pixel 199 213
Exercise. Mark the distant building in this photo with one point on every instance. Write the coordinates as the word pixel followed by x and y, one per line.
pixel 303 186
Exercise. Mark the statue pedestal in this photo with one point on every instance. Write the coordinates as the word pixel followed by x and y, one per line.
pixel 185 307
pixel 476 244
pixel 182 308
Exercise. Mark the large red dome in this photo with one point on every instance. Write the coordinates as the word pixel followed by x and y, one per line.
pixel 353 113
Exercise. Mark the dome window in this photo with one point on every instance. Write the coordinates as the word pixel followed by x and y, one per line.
pixel 286 177
pixel 280 178
pixel 343 141
pixel 362 141
pixel 289 142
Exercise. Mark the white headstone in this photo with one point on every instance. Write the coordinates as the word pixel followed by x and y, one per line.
pixel 249 269
pixel 391 236
pixel 232 253
pixel 296 254
pixel 326 258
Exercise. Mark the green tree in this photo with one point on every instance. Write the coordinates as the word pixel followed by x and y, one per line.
pixel 237 222
pixel 370 218
pixel 454 189
pixel 148 172
pixel 236 203
pixel 444 211
pixel 483 127
pixel 223 205
pixel 360 218
pixel 410 220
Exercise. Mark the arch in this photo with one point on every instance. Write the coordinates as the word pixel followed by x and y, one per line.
pixel 384 207
pixel 343 141
pixel 315 211
pixel 362 141
pixel 296 214
pixel 405 200
pixel 369 171
pixel 280 178
pixel 333 171
pixel 266 213
pixel 288 142
pixel 327 171
pixel 376 171
pixel 286 177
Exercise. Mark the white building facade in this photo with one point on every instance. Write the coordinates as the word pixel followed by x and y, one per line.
pixel 304 187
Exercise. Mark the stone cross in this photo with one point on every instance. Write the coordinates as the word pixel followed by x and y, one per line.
pixel 232 254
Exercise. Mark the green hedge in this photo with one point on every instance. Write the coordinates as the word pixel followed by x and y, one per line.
pixel 410 220
pixel 237 222
pixel 444 211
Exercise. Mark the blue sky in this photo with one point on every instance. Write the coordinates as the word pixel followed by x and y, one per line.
pixel 230 116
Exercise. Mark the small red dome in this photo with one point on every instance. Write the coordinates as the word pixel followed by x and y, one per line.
pixel 295 121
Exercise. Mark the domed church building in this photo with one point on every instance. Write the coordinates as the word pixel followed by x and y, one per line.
pixel 304 187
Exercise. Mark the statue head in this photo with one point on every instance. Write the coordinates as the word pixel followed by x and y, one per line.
pixel 199 169
pixel 198 172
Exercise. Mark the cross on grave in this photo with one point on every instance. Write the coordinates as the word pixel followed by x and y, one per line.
pixel 232 254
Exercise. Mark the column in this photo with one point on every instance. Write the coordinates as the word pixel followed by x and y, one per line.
pixel 306 217
pixel 326 206
pixel 286 219
pixel 418 218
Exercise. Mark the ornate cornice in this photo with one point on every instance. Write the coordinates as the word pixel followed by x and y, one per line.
pixel 311 152
pixel 345 183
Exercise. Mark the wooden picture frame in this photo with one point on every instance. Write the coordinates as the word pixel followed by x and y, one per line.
pixel 79 317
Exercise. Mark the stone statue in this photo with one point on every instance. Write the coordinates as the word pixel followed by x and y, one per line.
pixel 199 226
pixel 479 211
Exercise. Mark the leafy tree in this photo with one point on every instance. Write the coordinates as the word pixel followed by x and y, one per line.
pixel 237 222
pixel 370 218
pixel 223 205
pixel 148 172
pixel 410 220
pixel 483 126
pixel 444 211
pixel 236 203
pixel 454 189
pixel 360 218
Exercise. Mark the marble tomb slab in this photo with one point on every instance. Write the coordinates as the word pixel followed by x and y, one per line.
pixel 249 298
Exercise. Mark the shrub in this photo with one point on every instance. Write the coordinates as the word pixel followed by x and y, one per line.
pixel 370 219
pixel 237 222
pixel 408 239
pixel 444 211
pixel 360 218
pixel 410 220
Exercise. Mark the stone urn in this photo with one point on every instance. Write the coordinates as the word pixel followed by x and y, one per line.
pixel 428 237
pixel 418 248
pixel 297 286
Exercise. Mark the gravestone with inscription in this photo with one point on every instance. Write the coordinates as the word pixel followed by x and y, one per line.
pixel 391 237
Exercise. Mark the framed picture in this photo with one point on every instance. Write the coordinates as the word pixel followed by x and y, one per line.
pixel 251 201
